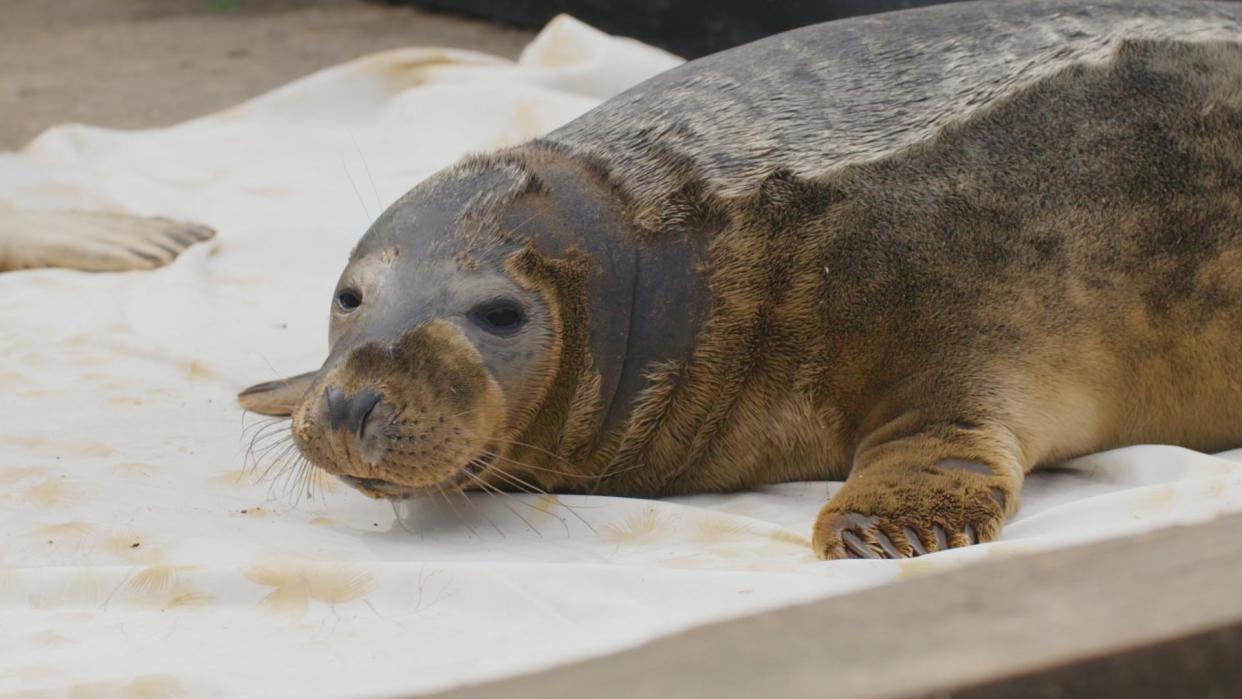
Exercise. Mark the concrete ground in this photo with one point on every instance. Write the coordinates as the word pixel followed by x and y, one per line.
pixel 145 63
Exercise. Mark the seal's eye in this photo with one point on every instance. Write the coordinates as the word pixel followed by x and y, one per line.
pixel 347 300
pixel 501 317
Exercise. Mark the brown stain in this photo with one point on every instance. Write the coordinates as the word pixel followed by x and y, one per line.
pixel 67 192
pixel 639 527
pixel 1001 550
pixel 47 639
pixel 403 74
pixel 154 687
pixel 255 512
pixel 91 361
pixel 135 469
pixel 93 690
pixel 546 507
pixel 65 530
pixel 37 360
pixel 1159 500
pixel 37 394
pixel 523 125
pixel 116 387
pixel 296 581
pixel 1215 488
pixel 45 281
pixel 8 585
pixel 233 478
pixel 323 521
pixel 918 567
pixel 87 450
pixel 75 449
pixel 80 590
pixel 153 581
pixel 55 492
pixel 154 392
pixel 11 380
pixel 712 529
pixel 784 536
pixel 74 617
pixel 14 474
pixel 1226 468
pixel 557 50
pixel 189 599
pixel 34 673
pixel 338 584
pixel 199 371
pixel 23 441
pixel 525 121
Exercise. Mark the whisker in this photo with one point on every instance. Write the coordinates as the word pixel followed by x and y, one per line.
pixel 282 467
pixel 374 190
pixel 397 514
pixel 525 521
pixel 258 425
pixel 304 479
pixel 265 433
pixel 519 482
pixel 440 490
pixel 528 445
pixel 493 490
pixel 367 214
pixel 537 489
pixel 567 474
pixel 262 466
pixel 262 444
pixel 313 482
pixel 477 509
pixel 527 486
pixel 279 461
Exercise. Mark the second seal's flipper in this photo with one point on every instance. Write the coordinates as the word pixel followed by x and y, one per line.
pixel 92 242
pixel 278 397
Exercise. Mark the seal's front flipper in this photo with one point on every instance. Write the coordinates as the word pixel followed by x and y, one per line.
pixel 92 242
pixel 942 488
pixel 278 397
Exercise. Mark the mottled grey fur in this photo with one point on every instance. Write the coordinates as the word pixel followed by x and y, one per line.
pixel 820 98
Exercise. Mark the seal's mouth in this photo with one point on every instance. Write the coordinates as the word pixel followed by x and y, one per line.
pixel 384 489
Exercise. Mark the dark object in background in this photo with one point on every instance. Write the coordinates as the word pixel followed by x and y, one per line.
pixel 688 28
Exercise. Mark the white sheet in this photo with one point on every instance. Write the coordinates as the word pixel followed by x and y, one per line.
pixel 136 561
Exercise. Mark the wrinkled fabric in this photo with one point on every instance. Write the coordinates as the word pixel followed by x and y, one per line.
pixel 140 557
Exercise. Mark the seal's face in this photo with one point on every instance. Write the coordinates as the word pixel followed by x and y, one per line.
pixel 440 348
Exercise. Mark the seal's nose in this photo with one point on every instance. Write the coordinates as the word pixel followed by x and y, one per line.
pixel 351 413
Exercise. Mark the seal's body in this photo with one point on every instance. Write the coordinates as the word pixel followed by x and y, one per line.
pixel 928 250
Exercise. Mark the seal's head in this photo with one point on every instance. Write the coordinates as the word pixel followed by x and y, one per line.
pixel 459 329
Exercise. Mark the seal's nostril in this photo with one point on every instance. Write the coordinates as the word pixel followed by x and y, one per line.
pixel 338 407
pixel 364 403
pixel 350 413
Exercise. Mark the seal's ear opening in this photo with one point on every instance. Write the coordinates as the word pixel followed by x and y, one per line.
pixel 278 397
